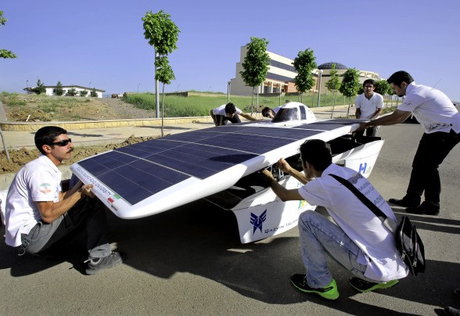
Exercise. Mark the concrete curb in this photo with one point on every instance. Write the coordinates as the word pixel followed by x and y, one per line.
pixel 70 125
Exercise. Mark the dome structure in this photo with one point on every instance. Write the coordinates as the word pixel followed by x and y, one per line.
pixel 329 66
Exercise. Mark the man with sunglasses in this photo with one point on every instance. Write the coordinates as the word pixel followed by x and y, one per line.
pixel 41 219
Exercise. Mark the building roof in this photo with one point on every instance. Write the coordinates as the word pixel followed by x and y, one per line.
pixel 329 65
pixel 76 86
pixel 66 87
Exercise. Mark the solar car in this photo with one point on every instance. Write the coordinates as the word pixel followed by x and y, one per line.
pixel 222 164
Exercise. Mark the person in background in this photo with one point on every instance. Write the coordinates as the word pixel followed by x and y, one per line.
pixel 368 106
pixel 358 239
pixel 42 219
pixel 441 121
pixel 228 112
pixel 270 113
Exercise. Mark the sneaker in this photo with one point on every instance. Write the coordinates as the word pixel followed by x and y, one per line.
pixel 329 292
pixel 426 207
pixel 366 286
pixel 112 260
pixel 407 201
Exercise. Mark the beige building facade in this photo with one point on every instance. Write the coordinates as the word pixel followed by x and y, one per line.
pixel 281 74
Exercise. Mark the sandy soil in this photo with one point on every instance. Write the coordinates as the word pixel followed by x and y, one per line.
pixel 91 108
pixel 20 157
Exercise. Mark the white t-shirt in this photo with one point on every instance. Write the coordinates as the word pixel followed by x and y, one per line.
pixel 432 108
pixel 39 180
pixel 357 221
pixel 369 106
pixel 220 110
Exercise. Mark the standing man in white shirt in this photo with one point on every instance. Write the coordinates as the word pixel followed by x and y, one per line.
pixel 441 121
pixel 358 239
pixel 40 217
pixel 368 106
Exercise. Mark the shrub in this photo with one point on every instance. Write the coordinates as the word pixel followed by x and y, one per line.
pixel 71 92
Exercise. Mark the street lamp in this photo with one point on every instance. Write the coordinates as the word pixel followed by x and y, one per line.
pixel 229 84
pixel 320 76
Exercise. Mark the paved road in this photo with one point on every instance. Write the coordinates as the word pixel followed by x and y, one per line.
pixel 189 262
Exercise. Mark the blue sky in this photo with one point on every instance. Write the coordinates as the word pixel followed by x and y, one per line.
pixel 101 43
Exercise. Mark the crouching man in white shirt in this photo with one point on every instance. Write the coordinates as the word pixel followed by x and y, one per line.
pixel 40 218
pixel 358 239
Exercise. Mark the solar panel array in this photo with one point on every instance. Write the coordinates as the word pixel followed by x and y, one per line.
pixel 138 171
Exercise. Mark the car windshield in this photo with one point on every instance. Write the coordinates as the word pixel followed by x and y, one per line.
pixel 286 114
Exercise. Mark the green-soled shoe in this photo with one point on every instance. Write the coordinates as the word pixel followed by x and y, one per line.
pixel 329 292
pixel 366 286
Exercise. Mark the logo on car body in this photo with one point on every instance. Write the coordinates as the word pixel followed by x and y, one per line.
pixel 257 221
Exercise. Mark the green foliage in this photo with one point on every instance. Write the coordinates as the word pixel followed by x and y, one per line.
pixel 199 105
pixel 3 52
pixel 160 31
pixel 40 88
pixel 255 64
pixel 304 63
pixel 11 99
pixel 350 83
pixel 164 73
pixel 71 92
pixel 2 19
pixel 59 91
pixel 7 54
pixel 93 93
pixel 383 87
pixel 83 93
pixel 334 81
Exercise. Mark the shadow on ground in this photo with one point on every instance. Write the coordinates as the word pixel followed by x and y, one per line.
pixel 202 240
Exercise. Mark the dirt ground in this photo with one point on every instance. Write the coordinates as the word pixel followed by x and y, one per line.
pixel 42 108
pixel 20 157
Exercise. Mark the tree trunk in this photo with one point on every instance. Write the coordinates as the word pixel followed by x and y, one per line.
pixel 163 111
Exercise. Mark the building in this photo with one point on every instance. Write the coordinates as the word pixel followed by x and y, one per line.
pixel 79 90
pixel 279 79
pixel 281 74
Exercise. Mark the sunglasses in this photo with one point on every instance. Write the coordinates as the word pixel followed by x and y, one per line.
pixel 62 143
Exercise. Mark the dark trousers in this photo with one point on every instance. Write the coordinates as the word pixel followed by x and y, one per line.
pixel 431 151
pixel 84 225
pixel 222 119
pixel 371 131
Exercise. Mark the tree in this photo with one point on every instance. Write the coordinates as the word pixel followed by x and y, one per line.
pixel 3 52
pixel 162 34
pixel 164 75
pixel 83 93
pixel 93 93
pixel 255 64
pixel 350 85
pixel 71 92
pixel 304 63
pixel 333 84
pixel 40 88
pixel 59 91
pixel 383 87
